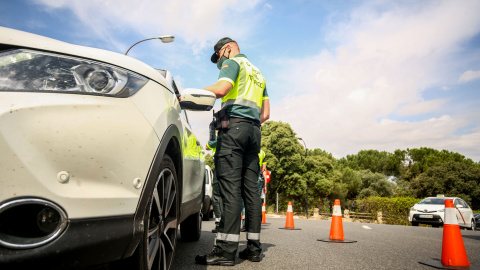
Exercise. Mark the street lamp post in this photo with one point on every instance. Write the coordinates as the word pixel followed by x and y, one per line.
pixel 164 39
pixel 306 151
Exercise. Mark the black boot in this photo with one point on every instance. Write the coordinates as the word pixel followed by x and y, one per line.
pixel 215 257
pixel 246 254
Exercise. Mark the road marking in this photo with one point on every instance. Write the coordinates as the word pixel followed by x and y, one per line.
pixel 366 227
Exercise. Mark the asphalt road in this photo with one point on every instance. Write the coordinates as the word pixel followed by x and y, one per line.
pixel 377 247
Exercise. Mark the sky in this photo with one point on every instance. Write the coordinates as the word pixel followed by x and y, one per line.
pixel 346 75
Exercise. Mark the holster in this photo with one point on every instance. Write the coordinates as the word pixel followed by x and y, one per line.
pixel 222 121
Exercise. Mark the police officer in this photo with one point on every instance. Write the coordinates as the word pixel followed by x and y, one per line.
pixel 245 105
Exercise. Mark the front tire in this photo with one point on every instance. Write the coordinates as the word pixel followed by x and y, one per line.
pixel 473 225
pixel 206 210
pixel 157 248
pixel 414 223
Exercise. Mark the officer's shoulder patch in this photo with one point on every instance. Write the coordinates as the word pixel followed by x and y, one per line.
pixel 224 66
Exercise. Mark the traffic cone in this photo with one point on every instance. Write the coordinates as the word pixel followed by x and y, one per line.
pixel 289 224
pixel 336 228
pixel 454 255
pixel 263 214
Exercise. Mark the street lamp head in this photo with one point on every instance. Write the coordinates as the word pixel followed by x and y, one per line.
pixel 166 39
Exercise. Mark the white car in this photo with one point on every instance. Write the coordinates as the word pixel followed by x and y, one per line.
pixel 207 209
pixel 98 161
pixel 431 211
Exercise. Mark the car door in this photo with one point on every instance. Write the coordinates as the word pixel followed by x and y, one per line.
pixel 461 211
pixel 466 212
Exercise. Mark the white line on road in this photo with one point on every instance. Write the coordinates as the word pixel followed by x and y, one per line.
pixel 366 227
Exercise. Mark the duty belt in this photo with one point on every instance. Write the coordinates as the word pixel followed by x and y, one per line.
pixel 233 120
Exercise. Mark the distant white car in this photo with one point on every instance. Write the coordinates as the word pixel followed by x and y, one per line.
pixel 207 209
pixel 431 211
pixel 98 160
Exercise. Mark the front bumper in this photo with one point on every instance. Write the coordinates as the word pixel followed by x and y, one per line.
pixel 85 242
pixel 428 218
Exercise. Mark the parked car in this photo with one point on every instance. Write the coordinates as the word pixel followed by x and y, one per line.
pixel 207 209
pixel 98 160
pixel 477 220
pixel 431 211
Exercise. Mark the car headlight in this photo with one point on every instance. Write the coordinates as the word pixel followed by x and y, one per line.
pixel 35 71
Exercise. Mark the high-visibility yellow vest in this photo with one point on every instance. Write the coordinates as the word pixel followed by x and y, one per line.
pixel 261 157
pixel 248 88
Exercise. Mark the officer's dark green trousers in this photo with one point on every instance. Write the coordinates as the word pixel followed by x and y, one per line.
pixel 237 168
pixel 216 200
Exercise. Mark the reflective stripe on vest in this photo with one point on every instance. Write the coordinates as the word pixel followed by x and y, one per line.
pixel 248 88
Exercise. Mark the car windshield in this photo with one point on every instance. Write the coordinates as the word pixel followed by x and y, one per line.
pixel 432 201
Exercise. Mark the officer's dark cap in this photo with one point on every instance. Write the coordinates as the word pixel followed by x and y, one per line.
pixel 218 46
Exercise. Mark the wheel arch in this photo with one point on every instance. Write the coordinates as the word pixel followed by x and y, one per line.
pixel 170 145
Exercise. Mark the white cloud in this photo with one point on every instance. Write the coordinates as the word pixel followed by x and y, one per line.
pixel 198 23
pixel 422 107
pixel 383 62
pixel 469 75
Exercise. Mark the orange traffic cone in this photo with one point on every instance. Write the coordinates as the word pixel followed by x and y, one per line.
pixel 336 228
pixel 263 214
pixel 289 224
pixel 454 255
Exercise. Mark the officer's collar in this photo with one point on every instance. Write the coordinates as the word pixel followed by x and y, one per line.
pixel 241 55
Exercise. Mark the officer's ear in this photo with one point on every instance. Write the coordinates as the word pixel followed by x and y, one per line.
pixel 229 48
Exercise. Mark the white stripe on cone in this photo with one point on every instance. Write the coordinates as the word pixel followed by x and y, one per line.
pixel 450 217
pixel 263 208
pixel 290 209
pixel 337 210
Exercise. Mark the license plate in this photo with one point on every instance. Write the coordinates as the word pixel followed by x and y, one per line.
pixel 426 216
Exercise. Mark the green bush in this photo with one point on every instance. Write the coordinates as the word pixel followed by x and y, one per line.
pixel 394 210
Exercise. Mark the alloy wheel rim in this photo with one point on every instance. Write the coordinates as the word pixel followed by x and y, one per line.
pixel 162 227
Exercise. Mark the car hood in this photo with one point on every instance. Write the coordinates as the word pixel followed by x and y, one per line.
pixel 27 40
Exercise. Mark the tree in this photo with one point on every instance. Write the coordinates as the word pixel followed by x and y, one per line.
pixel 353 182
pixel 375 161
pixel 284 156
pixel 453 179
pixel 209 161
pixel 374 184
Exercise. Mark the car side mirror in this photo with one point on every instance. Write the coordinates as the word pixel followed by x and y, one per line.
pixel 197 99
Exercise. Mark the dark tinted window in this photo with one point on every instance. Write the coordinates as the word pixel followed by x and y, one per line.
pixel 432 201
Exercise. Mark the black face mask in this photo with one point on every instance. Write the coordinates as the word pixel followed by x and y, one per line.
pixel 220 62
pixel 222 59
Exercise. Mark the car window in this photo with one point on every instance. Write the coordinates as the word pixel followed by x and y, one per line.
pixel 184 113
pixel 206 178
pixel 463 203
pixel 175 88
pixel 459 203
pixel 432 201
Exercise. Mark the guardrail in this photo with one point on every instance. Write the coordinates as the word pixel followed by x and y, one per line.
pixel 377 217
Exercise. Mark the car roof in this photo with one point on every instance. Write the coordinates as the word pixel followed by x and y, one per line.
pixel 442 198
pixel 27 40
